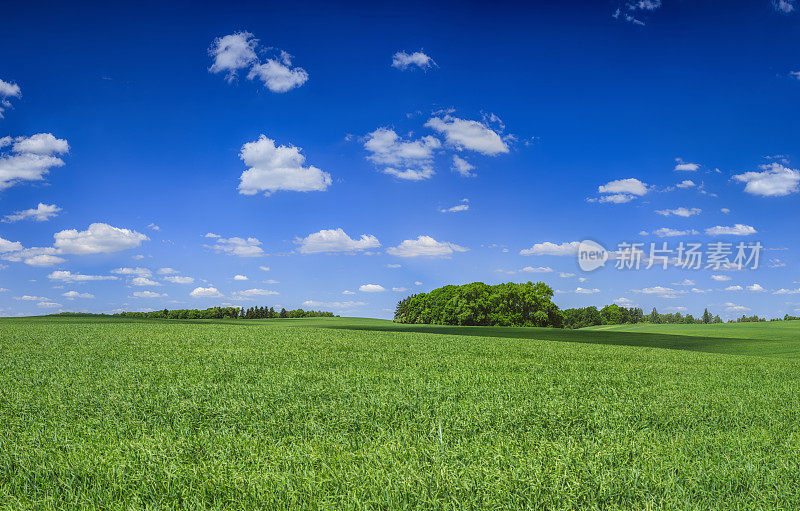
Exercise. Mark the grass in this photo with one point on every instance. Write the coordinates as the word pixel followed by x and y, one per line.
pixel 350 413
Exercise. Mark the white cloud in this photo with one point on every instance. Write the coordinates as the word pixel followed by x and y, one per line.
pixel 31 158
pixel 399 289
pixel 784 6
pixel 464 206
pixel 390 265
pixel 278 74
pixel 463 167
pixel 148 294
pixel 624 302
pixel 167 271
pixel 240 277
pixel 48 305
pixel 205 292
pixel 720 278
pixel 538 269
pixel 68 276
pixel 250 293
pixel 402 60
pixel 732 307
pixel 425 246
pixel 233 52
pixel 29 298
pixel 263 268
pixel 686 183
pixel 71 295
pixel 144 281
pixel 736 230
pixel 348 292
pixel 411 160
pixel 333 305
pixel 240 247
pixel 43 260
pixel 99 238
pixel 629 186
pixel 138 272
pixel 371 288
pixel 335 240
pixel 273 168
pixel 40 213
pixel 9 246
pixel 756 288
pixel 665 232
pixel 564 275
pixel 468 134
pixel 584 291
pixel 784 291
pixel 683 166
pixel 775 181
pixel 548 248
pixel 153 226
pixel 734 288
pixel 685 282
pixel 8 90
pixel 179 280
pixel 724 210
pixel 660 291
pixel 681 211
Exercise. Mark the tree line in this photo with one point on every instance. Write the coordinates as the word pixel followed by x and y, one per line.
pixel 529 304
pixel 226 313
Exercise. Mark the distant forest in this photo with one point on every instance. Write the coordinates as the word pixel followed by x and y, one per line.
pixel 226 313
pixel 528 304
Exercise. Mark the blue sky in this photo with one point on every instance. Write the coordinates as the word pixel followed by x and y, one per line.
pixel 175 148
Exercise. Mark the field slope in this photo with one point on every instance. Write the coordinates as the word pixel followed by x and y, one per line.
pixel 349 413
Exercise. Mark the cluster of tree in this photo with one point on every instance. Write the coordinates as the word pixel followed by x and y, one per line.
pixel 225 313
pixel 747 319
pixel 477 303
pixel 788 318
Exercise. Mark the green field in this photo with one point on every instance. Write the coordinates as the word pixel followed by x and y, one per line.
pixel 355 413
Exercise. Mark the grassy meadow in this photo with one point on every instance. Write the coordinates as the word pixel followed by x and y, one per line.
pixel 332 413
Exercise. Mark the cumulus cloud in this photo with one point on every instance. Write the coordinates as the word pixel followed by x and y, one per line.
pixel 205 292
pixel 660 291
pixel 467 134
pixel 686 183
pixel 775 180
pixel 681 211
pixel 371 288
pixel 99 238
pixel 784 6
pixel 30 158
pixel 167 271
pixel 71 295
pixel 9 246
pixel 411 160
pixel 179 280
pixel 148 294
pixel 278 75
pixel 234 52
pixel 402 60
pixel 425 246
pixel 236 246
pixel 463 167
pixel 273 168
pixel 137 272
pixel 240 277
pixel 250 293
pixel 335 240
pixel 585 291
pixel 40 213
pixel 548 248
pixel 666 232
pixel 683 166
pixel 735 230
pixel 143 281
pixel 630 185
pixel 720 278
pixel 8 90
pixel 68 276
